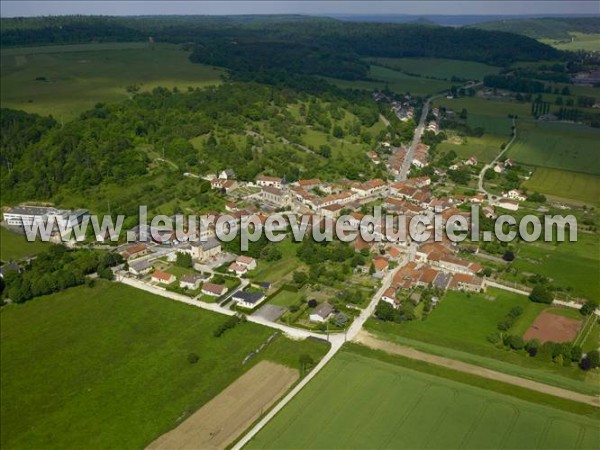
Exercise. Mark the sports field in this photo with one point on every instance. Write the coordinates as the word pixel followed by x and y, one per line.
pixel 557 145
pixel 65 80
pixel 361 402
pixel 440 68
pixel 107 367
pixel 565 184
pixel 14 246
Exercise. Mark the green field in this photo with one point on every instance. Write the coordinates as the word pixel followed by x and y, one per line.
pixel 564 184
pixel 14 246
pixel 485 148
pixel 286 298
pixel 362 402
pixel 440 68
pixel 106 367
pixel 78 76
pixel 397 82
pixel 558 146
pixel 458 329
pixel 580 41
pixel 550 260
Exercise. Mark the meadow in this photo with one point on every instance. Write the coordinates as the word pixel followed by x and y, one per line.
pixel 440 68
pixel 398 82
pixel 558 146
pixel 364 400
pixel 458 328
pixel 14 246
pixel 484 148
pixel 550 260
pixel 579 41
pixel 66 80
pixel 107 367
pixel 564 184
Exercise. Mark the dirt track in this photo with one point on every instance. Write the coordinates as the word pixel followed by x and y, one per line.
pixel 370 341
pixel 219 422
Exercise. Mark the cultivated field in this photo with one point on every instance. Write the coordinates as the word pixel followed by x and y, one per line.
pixel 440 68
pixel 14 246
pixel 65 80
pixel 459 326
pixel 111 366
pixel 564 184
pixel 225 417
pixel 360 402
pixel 557 145
pixel 553 327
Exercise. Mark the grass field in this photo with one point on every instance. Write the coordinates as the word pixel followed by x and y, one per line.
pixel 276 271
pixel 558 146
pixel 107 367
pixel 397 82
pixel 362 402
pixel 485 148
pixel 581 41
pixel 550 260
pixel 79 76
pixel 286 298
pixel 565 184
pixel 440 68
pixel 14 246
pixel 458 329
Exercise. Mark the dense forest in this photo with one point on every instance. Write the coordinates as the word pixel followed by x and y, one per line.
pixel 326 42
pixel 544 28
pixel 248 127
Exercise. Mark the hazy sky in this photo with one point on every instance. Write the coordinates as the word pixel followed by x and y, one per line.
pixel 11 8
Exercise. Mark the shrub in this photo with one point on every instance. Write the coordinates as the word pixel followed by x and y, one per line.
pixel 312 303
pixel 193 358
pixel 589 307
pixel 516 342
pixel 532 351
pixel 540 294
pixel 576 353
pixel 494 337
pixel 508 256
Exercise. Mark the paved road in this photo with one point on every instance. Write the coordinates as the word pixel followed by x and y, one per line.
pixel 490 165
pixel 410 153
pixel 337 341
pixel 390 347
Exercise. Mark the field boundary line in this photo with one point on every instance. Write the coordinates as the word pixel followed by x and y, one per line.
pixel 368 340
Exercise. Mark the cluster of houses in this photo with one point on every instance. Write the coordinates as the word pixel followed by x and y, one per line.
pixel 435 265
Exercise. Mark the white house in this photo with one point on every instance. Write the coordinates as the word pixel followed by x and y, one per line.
pixel 514 194
pixel 264 181
pixel 239 269
pixel 389 296
pixel 192 281
pixel 507 203
pixel 247 261
pixel 140 268
pixel 163 277
pixel 214 290
pixel 321 313
pixel 249 300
